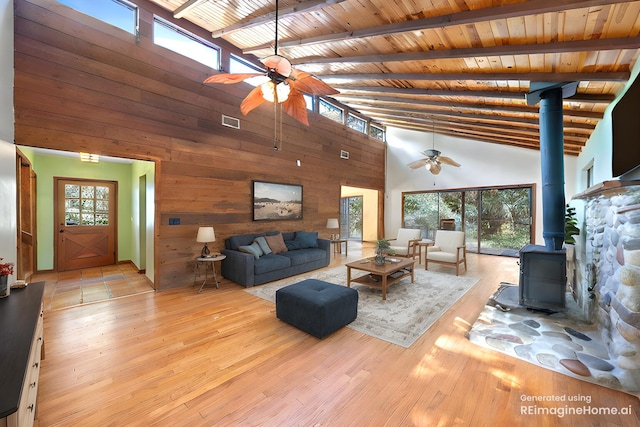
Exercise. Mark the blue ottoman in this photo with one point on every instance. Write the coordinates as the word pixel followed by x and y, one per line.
pixel 318 308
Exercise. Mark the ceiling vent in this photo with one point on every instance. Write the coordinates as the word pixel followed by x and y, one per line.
pixel 231 122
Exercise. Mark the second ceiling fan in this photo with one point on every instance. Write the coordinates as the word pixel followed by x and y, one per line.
pixel 433 161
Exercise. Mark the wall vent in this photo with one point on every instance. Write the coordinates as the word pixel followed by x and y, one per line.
pixel 344 154
pixel 231 122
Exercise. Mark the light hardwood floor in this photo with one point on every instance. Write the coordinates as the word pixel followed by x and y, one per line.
pixel 222 358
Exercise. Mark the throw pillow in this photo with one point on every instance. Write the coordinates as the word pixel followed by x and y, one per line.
pixel 292 245
pixel 307 239
pixel 253 249
pixel 276 243
pixel 262 242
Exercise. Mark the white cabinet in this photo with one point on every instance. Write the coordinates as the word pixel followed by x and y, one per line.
pixel 27 345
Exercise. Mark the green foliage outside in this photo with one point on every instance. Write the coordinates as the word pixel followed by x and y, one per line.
pixel 355 216
pixel 504 216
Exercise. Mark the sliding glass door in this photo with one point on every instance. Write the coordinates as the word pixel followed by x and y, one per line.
pixel 351 218
pixel 495 220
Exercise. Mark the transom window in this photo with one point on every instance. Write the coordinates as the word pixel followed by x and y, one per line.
pixel 238 66
pixel 356 123
pixel 119 13
pixel 331 111
pixel 376 132
pixel 308 99
pixel 86 205
pixel 178 40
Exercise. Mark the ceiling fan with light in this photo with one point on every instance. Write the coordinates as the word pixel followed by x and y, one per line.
pixel 433 161
pixel 280 83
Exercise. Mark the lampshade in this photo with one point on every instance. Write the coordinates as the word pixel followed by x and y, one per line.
pixel 332 223
pixel 206 235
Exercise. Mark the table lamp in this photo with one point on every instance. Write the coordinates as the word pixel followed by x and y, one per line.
pixel 205 235
pixel 332 223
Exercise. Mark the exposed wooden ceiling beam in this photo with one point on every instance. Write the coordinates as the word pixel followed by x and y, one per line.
pixel 523 129
pixel 372 100
pixel 475 52
pixel 532 77
pixel 516 142
pixel 481 129
pixel 580 135
pixel 522 134
pixel 502 139
pixel 366 90
pixel 533 7
pixel 186 7
pixel 494 118
pixel 307 6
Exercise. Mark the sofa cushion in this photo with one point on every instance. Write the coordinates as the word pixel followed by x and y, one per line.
pixel 307 239
pixel 276 243
pixel 303 256
pixel 234 242
pixel 253 249
pixel 266 250
pixel 270 262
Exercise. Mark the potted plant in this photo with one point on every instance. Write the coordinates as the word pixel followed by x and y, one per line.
pixel 570 225
pixel 382 247
pixel 6 269
pixel 570 229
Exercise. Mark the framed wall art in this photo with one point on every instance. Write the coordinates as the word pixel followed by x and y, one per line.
pixel 274 201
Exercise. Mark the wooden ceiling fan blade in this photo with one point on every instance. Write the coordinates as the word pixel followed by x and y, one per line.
pixel 296 107
pixel 230 78
pixel 307 83
pixel 253 100
pixel 448 161
pixel 435 168
pixel 418 164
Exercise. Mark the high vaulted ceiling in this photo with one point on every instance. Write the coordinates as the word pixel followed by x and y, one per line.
pixel 459 67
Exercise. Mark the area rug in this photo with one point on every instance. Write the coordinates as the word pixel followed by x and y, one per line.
pixel 409 310
pixel 558 341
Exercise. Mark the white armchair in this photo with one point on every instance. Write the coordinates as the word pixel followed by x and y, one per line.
pixel 405 243
pixel 448 248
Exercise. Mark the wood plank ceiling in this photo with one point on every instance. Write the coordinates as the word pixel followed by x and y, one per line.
pixel 459 67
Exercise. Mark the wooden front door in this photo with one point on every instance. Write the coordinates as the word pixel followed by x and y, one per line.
pixel 85 218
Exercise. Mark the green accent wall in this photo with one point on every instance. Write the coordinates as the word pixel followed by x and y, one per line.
pixel 48 167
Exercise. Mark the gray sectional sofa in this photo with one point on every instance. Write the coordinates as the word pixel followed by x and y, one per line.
pixel 305 252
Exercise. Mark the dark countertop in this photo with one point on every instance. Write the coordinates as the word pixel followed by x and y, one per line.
pixel 19 314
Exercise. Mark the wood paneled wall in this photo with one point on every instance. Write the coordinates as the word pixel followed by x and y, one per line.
pixel 83 85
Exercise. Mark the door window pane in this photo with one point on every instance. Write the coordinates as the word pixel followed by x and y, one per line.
pixel 86 205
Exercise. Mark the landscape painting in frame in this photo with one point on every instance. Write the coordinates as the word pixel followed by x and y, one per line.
pixel 273 201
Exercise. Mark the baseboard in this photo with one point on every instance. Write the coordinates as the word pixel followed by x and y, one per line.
pixel 133 264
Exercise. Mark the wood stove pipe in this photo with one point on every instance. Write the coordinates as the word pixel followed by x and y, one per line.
pixel 550 96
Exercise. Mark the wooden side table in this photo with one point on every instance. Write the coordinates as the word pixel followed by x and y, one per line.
pixel 337 246
pixel 421 243
pixel 207 261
